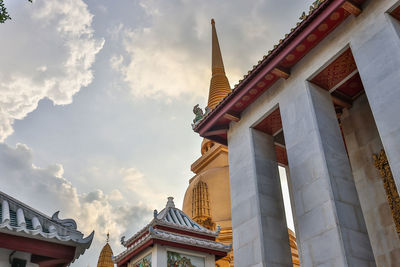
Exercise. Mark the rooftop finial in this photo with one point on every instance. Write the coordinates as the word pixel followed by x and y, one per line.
pixel 108 237
pixel 219 85
pixel 170 203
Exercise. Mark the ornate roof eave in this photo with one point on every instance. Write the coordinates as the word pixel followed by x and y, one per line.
pixel 155 222
pixel 319 11
pixel 137 235
pixel 205 232
pixel 54 230
pixel 156 234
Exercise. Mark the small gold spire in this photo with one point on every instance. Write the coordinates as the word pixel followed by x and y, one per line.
pixel 219 85
pixel 105 257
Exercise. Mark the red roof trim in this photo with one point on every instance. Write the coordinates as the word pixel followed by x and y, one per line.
pixel 269 63
pixel 37 247
pixel 171 229
pixel 137 238
pixel 193 248
pixel 135 252
pixel 183 232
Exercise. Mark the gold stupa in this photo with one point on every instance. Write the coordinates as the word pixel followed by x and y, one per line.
pixel 207 199
pixel 105 258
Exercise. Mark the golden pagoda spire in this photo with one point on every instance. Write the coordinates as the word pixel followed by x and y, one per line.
pixel 219 85
pixel 105 258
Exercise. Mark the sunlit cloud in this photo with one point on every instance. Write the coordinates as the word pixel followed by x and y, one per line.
pixel 50 56
pixel 114 212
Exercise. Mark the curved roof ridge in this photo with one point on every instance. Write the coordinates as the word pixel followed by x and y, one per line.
pixel 174 216
pixel 18 217
pixel 169 216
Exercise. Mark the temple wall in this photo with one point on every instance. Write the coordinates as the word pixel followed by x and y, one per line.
pixel 5 253
pixel 378 60
pixel 161 254
pixel 304 130
pixel 362 140
pixel 258 216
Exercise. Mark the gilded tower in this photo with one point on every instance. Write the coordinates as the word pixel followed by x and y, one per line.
pixel 219 85
pixel 105 257
pixel 207 199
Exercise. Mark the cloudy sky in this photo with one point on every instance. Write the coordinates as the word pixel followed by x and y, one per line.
pixel 96 100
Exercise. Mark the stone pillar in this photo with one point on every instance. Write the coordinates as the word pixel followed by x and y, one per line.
pixel 378 62
pixel 362 140
pixel 260 234
pixel 330 228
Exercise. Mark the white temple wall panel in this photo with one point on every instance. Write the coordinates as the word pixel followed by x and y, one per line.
pixel 362 140
pixel 378 61
pixel 320 171
pixel 330 227
pixel 161 253
pixel 259 223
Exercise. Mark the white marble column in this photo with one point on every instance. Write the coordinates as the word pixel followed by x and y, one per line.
pixel 260 233
pixel 330 228
pixel 378 61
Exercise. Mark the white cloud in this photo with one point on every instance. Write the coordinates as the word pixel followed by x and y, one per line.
pixel 170 56
pixel 116 62
pixel 48 190
pixel 50 55
pixel 140 187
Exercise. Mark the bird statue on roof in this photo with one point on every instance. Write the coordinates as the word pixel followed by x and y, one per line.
pixel 199 114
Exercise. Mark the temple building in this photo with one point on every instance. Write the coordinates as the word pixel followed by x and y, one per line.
pixel 172 239
pixel 323 103
pixel 207 199
pixel 28 238
pixel 106 254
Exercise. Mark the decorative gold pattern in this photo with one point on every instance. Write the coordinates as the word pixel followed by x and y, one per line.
pixel 323 27
pixel 201 206
pixel 290 57
pixel 301 48
pixel 261 84
pixel 253 91
pixel 335 72
pixel 269 77
pixel 382 164
pixel 335 16
pixel 312 37
pixel 239 104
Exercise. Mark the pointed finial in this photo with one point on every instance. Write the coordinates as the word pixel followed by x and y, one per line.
pixel 219 84
pixel 170 203
pixel 108 237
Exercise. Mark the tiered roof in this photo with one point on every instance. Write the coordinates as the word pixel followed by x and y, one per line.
pixel 173 227
pixel 18 219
